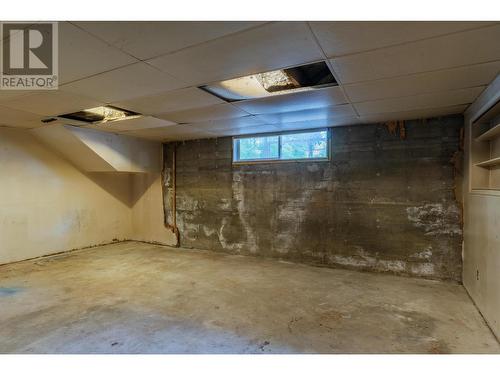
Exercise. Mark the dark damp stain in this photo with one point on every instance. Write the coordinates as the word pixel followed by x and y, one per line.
pixel 9 291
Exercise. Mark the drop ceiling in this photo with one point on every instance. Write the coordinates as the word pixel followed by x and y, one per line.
pixel 385 71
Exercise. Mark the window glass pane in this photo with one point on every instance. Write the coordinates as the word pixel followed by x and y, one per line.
pixel 258 148
pixel 304 145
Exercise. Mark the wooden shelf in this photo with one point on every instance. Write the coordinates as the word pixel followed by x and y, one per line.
pixel 484 152
pixel 489 163
pixel 490 134
pixel 486 191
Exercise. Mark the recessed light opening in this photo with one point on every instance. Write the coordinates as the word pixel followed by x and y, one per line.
pixel 100 114
pixel 276 82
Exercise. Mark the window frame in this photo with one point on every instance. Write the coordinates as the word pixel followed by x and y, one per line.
pixel 235 150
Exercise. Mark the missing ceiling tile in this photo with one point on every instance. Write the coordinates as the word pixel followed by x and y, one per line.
pixel 100 114
pixel 300 78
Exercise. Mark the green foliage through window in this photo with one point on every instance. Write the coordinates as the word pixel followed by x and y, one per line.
pixel 258 148
pixel 287 146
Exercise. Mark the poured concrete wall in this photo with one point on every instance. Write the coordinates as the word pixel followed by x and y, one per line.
pixel 481 276
pixel 48 205
pixel 382 203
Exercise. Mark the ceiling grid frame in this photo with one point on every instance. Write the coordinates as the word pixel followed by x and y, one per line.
pixel 366 89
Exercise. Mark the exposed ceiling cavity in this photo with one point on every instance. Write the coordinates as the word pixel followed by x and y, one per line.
pixel 283 81
pixel 100 114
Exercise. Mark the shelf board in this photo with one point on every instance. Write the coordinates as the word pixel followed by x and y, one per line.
pixel 490 134
pixel 489 163
pixel 486 191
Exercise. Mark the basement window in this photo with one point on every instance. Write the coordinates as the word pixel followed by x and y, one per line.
pixel 300 78
pixel 303 145
pixel 100 114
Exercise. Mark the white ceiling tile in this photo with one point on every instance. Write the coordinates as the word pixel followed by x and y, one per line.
pixel 10 94
pixel 434 100
pixel 51 103
pixel 342 38
pixel 16 118
pixel 30 124
pixel 170 133
pixel 232 123
pixel 294 102
pixel 408 69
pixel 318 123
pixel 143 122
pixel 324 113
pixel 261 129
pixel 441 80
pixel 465 48
pixel 124 83
pixel 187 137
pixel 176 100
pixel 82 55
pixel 414 114
pixel 149 39
pixel 103 129
pixel 214 112
pixel 272 46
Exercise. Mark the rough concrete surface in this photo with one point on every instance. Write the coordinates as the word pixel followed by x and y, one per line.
pixel 139 298
pixel 381 203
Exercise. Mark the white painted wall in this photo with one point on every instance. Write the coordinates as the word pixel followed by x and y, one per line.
pixel 147 212
pixel 481 272
pixel 98 151
pixel 47 205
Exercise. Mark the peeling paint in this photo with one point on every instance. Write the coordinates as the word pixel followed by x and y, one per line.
pixel 425 254
pixel 433 218
pixel 226 244
pixel 379 204
pixel 292 213
pixel 239 195
pixel 225 204
pixel 422 269
pixel 364 260
pixel 208 231
pixel 313 168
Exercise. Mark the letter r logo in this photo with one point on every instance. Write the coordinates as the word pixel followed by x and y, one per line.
pixel 28 49
pixel 29 55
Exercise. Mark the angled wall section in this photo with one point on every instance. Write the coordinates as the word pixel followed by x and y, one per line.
pixel 48 205
pixel 96 151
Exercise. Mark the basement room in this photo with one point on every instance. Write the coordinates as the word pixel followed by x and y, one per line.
pixel 249 187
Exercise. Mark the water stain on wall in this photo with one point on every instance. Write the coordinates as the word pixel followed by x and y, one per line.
pixel 382 203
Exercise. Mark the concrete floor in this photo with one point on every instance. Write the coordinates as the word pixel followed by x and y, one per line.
pixel 138 298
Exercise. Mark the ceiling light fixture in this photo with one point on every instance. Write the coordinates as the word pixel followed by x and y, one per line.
pixel 276 82
pixel 100 115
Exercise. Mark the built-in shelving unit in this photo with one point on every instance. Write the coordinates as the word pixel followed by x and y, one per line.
pixel 485 151
pixel 489 163
pixel 490 134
